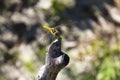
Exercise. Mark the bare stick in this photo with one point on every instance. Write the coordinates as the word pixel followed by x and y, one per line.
pixel 55 61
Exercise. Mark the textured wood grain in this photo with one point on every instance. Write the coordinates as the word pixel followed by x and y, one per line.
pixel 55 61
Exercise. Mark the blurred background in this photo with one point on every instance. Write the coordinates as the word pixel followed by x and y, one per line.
pixel 90 30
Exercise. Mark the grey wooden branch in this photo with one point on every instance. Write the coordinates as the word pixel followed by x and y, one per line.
pixel 55 61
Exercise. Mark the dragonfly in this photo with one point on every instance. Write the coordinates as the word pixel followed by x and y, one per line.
pixel 53 31
pixel 51 34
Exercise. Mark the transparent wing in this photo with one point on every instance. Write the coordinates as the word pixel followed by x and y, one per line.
pixel 43 36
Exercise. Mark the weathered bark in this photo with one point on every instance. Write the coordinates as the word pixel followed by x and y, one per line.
pixel 55 61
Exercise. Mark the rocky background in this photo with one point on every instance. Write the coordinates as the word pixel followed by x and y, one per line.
pixel 90 30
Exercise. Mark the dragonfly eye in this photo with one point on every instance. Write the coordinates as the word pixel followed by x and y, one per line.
pixel 53 30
